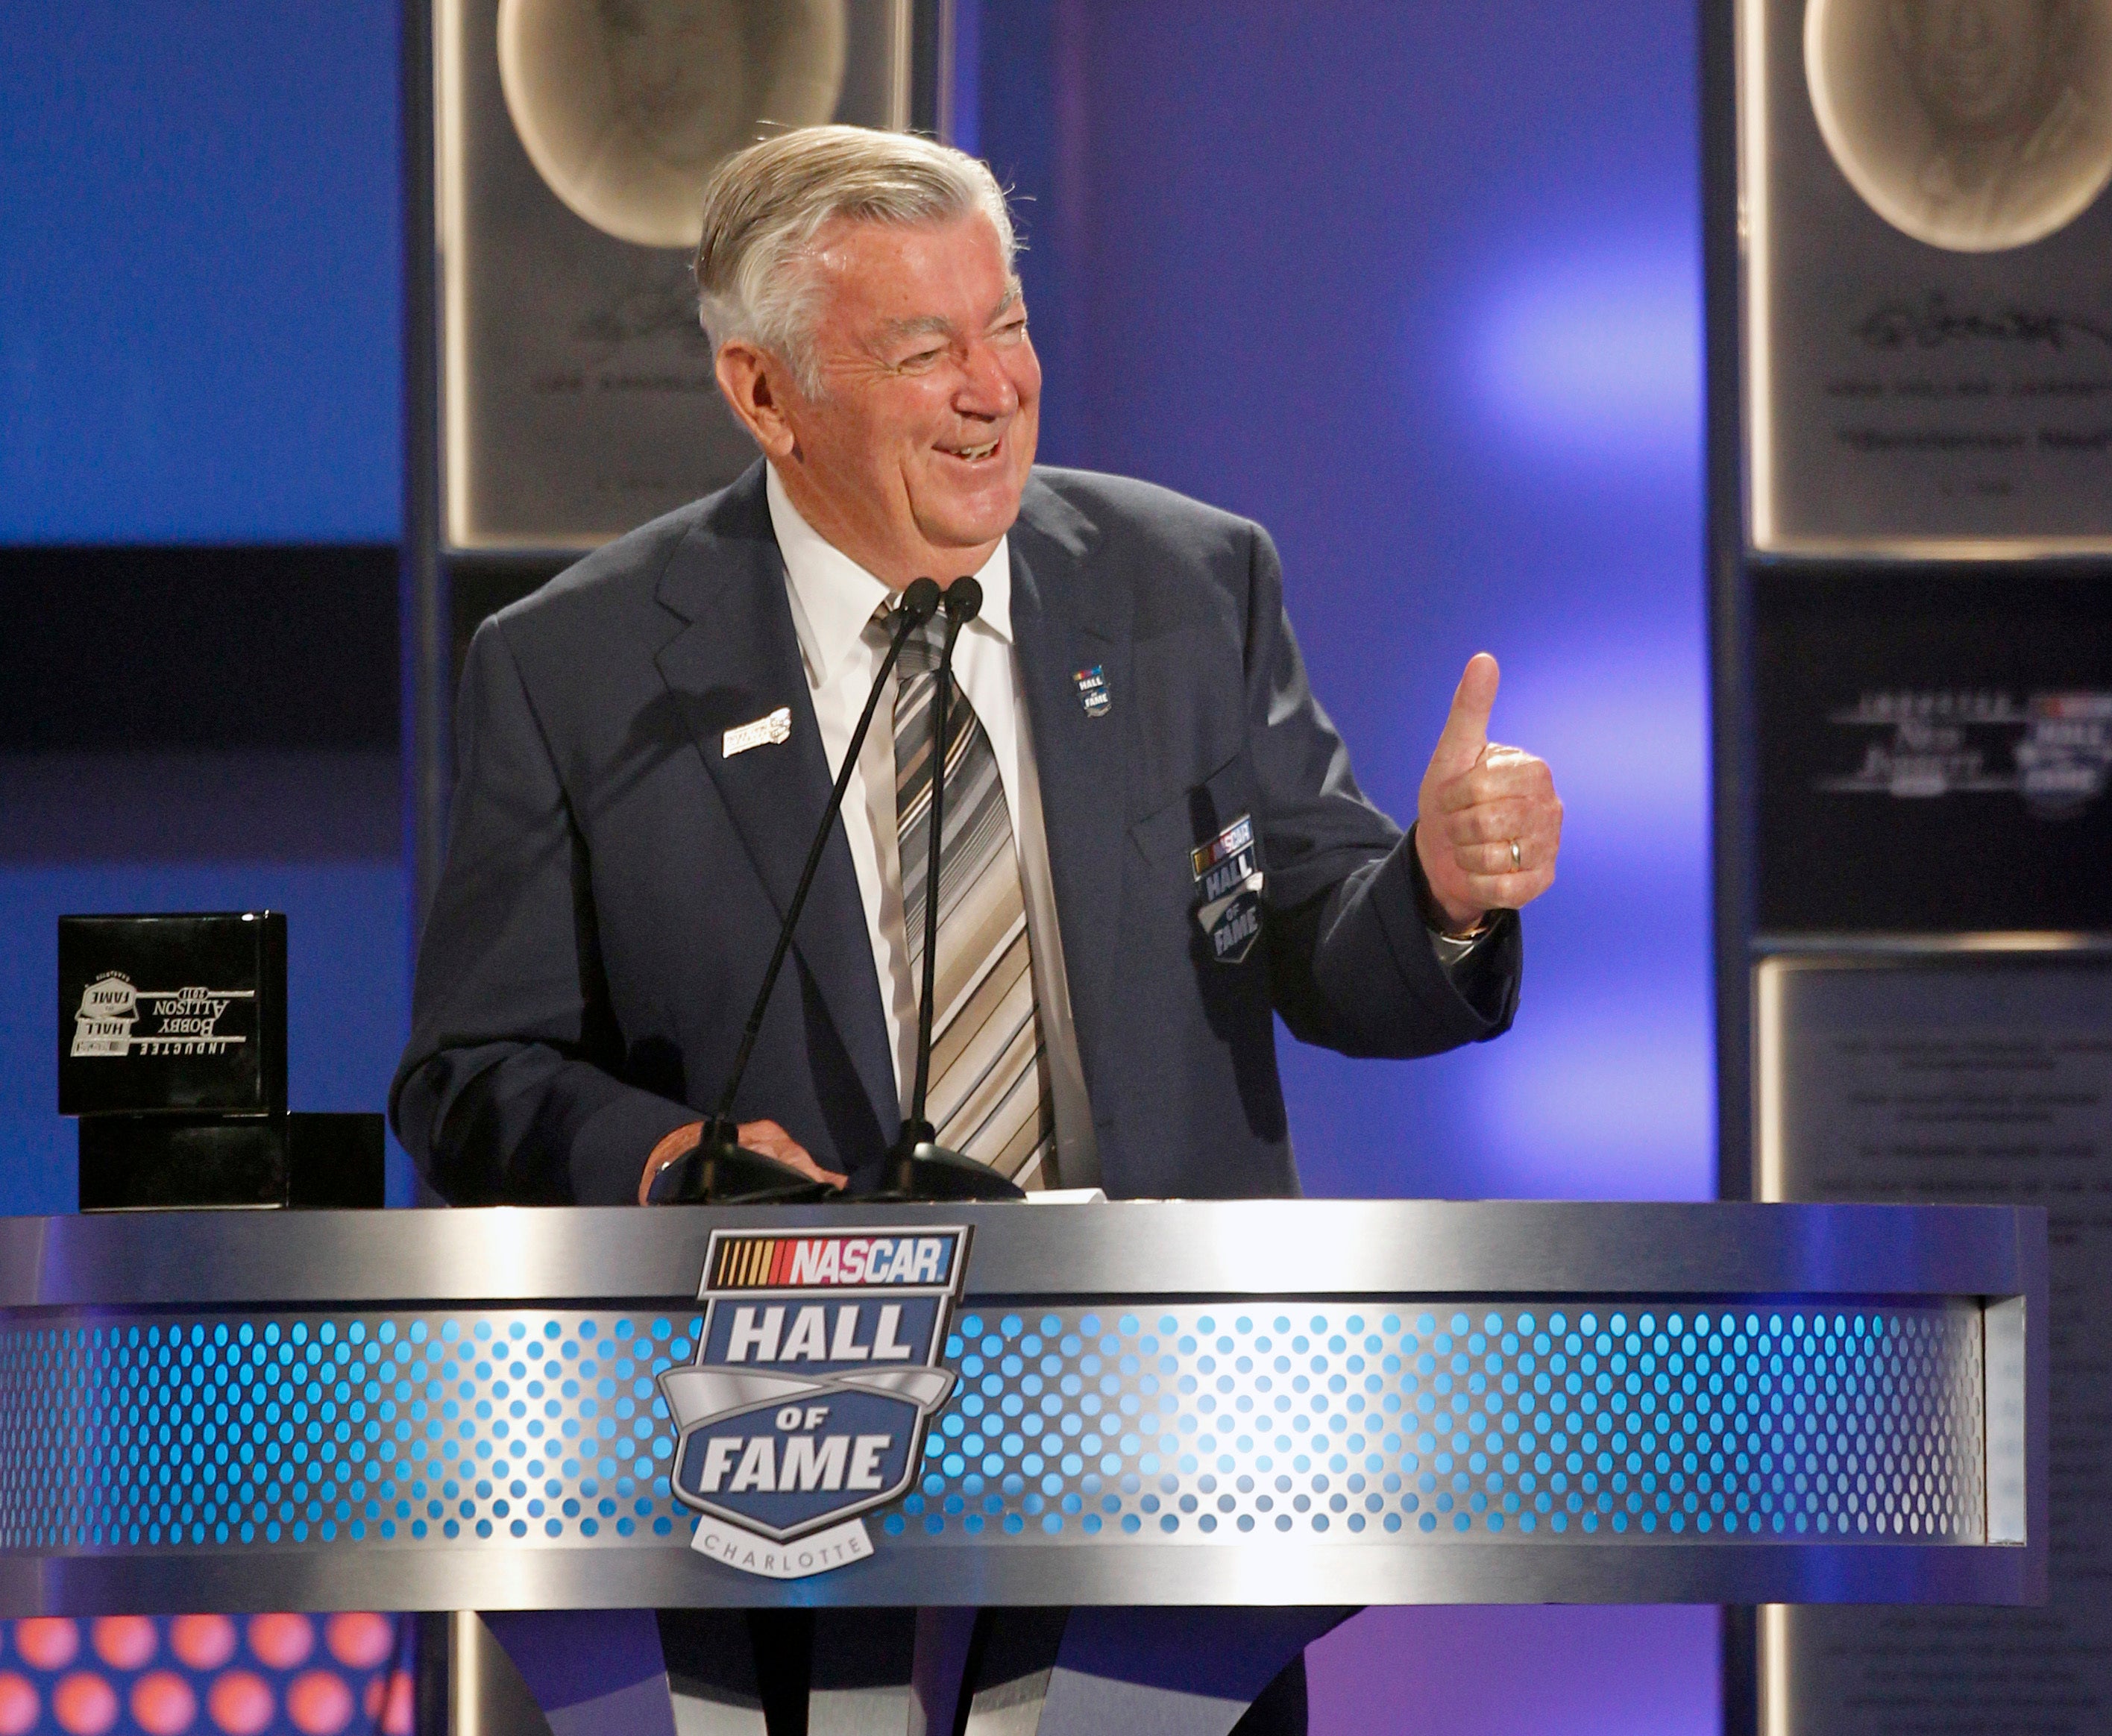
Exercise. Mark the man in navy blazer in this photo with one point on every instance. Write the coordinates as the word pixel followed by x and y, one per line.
pixel 616 876
pixel 647 744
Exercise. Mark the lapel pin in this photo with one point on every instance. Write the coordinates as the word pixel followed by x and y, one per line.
pixel 764 732
pixel 1092 689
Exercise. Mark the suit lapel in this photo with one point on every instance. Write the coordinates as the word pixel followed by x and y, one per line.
pixel 735 660
pixel 1068 615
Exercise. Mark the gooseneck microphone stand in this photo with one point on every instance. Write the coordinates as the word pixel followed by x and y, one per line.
pixel 721 1170
pixel 917 1166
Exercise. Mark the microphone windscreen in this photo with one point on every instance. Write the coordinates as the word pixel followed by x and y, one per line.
pixel 964 600
pixel 920 600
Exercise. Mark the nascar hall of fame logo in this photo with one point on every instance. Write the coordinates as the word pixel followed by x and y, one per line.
pixel 816 1373
pixel 1229 883
pixel 183 1021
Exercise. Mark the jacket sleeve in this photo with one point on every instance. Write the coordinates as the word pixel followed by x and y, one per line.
pixel 1351 964
pixel 508 1090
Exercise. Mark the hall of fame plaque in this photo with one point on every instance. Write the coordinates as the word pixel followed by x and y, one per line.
pixel 1928 276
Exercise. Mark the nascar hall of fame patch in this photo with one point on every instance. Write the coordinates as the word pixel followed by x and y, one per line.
pixel 1228 873
pixel 180 1021
pixel 1093 689
pixel 816 1373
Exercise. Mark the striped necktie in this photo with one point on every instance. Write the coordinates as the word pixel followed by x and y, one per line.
pixel 988 1094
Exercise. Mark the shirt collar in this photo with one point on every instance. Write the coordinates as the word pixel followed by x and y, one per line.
pixel 833 596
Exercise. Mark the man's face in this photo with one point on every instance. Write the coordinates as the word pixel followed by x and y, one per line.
pixel 912 455
pixel 674 69
pixel 1976 62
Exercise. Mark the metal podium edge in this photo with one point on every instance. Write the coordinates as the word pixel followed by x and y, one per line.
pixel 1204 1249
pixel 533 1579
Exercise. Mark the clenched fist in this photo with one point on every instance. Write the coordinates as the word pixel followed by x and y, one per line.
pixel 1488 822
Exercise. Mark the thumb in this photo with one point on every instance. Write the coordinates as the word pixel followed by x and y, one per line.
pixel 1466 728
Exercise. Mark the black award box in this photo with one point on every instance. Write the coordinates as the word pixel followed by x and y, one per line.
pixel 172 1054
pixel 159 1163
pixel 173 1014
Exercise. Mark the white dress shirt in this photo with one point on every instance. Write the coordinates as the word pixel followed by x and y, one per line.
pixel 833 598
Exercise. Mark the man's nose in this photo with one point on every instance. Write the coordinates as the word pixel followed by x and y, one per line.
pixel 987 385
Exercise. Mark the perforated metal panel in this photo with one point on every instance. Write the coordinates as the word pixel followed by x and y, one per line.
pixel 1479 1421
pixel 337 1429
pixel 1475 1421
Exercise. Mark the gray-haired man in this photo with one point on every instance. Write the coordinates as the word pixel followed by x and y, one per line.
pixel 1133 702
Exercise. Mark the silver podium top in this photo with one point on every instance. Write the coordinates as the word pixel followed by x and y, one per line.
pixel 1257 1248
pixel 1189 1402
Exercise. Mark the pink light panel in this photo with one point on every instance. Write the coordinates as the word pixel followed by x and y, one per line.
pixel 279 1674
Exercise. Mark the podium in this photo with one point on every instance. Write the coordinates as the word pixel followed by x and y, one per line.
pixel 1202 1405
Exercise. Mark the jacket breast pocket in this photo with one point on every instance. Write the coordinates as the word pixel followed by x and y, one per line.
pixel 1178 820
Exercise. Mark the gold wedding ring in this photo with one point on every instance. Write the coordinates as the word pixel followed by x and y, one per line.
pixel 1517 855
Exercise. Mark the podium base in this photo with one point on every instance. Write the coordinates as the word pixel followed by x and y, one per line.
pixel 919 1169
pixel 721 1171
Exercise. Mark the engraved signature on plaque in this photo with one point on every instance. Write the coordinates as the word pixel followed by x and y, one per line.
pixel 1949 379
pixel 1933 323
pixel 665 309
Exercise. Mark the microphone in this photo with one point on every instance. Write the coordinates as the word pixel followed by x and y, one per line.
pixel 721 1170
pixel 917 1167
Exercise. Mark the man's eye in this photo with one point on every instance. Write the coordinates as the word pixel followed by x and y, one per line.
pixel 921 359
pixel 1013 329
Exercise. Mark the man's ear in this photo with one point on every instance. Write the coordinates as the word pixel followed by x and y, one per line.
pixel 755 383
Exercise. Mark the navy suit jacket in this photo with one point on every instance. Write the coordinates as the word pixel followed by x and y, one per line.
pixel 614 883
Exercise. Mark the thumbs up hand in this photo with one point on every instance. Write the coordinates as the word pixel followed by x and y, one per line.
pixel 1488 822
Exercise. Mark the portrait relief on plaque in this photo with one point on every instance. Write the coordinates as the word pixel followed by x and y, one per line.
pixel 1975 125
pixel 625 107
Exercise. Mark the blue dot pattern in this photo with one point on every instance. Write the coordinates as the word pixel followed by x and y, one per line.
pixel 1325 1422
pixel 337 1429
pixel 1477 1421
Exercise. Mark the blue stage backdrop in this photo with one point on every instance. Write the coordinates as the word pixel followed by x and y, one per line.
pixel 200 287
pixel 1416 285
